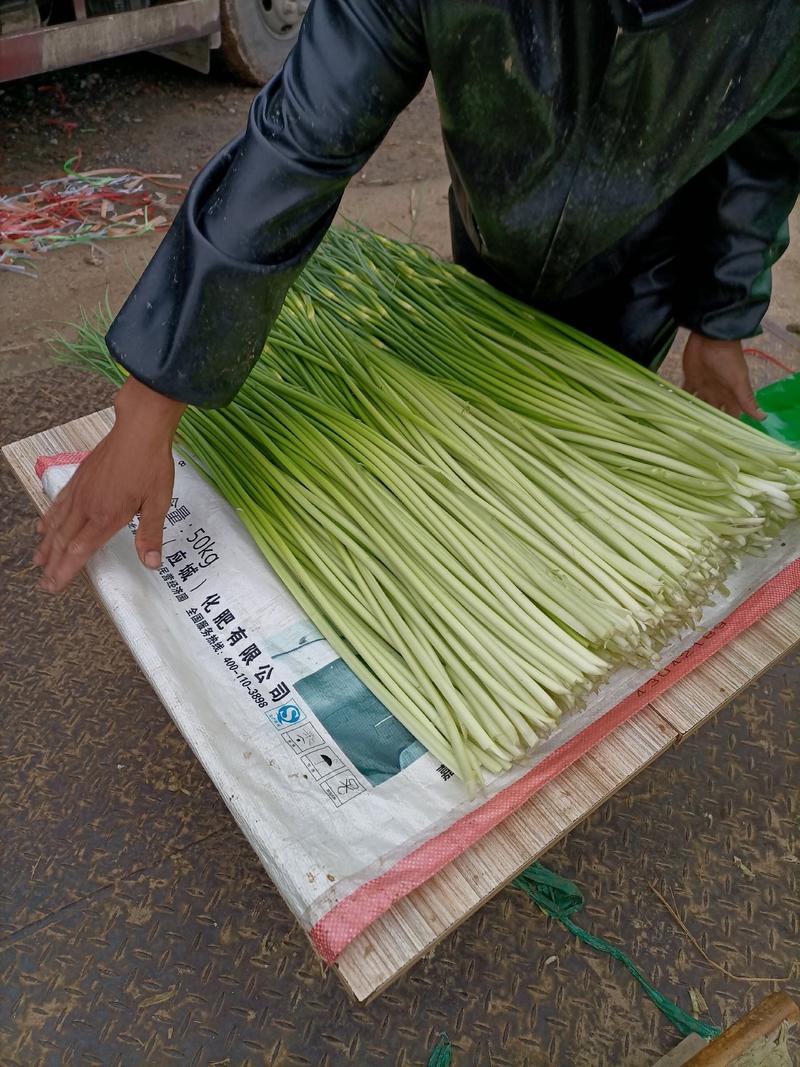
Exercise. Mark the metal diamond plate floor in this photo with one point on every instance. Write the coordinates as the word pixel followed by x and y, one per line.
pixel 138 928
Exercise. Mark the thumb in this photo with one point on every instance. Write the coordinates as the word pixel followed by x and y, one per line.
pixel 150 532
pixel 747 400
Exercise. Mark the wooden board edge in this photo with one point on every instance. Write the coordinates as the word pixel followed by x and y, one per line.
pixel 368 997
pixel 687 731
pixel 19 455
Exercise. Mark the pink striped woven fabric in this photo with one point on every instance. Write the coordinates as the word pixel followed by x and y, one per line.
pixel 60 459
pixel 351 916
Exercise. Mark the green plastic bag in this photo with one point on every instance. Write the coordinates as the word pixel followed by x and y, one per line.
pixel 781 402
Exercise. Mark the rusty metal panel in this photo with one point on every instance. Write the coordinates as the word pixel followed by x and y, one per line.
pixel 138 927
pixel 66 44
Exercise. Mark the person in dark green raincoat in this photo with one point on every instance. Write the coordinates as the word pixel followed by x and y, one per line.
pixel 626 165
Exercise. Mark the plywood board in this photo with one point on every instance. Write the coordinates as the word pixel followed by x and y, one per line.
pixel 412 928
pixel 414 924
pixel 690 701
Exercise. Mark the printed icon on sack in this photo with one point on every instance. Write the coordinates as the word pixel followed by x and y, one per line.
pixel 289 714
pixel 302 739
pixel 322 762
pixel 286 715
pixel 341 787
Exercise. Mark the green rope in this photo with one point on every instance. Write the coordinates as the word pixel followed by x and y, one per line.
pixel 442 1055
pixel 560 898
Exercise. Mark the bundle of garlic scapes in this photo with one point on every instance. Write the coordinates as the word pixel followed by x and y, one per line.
pixel 481 509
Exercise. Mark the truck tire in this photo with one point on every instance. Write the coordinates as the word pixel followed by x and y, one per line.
pixel 257 36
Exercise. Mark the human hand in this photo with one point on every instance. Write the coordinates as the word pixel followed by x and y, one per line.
pixel 130 471
pixel 716 371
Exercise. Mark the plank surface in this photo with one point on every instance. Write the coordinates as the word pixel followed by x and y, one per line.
pixel 370 962
pixel 413 925
pixel 690 701
pixel 76 436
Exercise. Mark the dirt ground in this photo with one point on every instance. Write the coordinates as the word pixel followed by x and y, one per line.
pixel 146 113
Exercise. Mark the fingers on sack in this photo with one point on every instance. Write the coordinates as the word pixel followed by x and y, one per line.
pixel 46 527
pixel 150 531
pixel 54 522
pixel 58 549
pixel 86 540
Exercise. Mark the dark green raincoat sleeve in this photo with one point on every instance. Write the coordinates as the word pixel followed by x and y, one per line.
pixel 197 320
pixel 736 218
